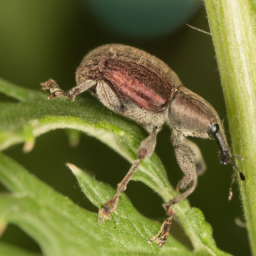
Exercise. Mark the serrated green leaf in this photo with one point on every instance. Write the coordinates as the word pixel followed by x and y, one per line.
pixel 203 230
pixel 17 92
pixel 63 228
pixel 40 115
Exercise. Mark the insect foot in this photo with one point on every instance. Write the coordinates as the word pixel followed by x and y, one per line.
pixel 54 88
pixel 161 237
pixel 108 208
pixel 141 87
pixel 57 92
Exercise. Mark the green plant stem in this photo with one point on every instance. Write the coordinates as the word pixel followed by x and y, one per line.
pixel 233 29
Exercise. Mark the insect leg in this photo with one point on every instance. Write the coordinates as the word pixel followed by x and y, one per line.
pixel 161 237
pixel 190 161
pixel 57 92
pixel 187 156
pixel 199 161
pixel 145 150
pixel 108 97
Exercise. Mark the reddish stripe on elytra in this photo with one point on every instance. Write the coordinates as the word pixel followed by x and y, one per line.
pixel 138 92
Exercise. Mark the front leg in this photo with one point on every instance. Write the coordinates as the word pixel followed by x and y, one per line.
pixel 199 161
pixel 188 159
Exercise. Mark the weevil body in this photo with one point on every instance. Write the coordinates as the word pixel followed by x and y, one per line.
pixel 141 87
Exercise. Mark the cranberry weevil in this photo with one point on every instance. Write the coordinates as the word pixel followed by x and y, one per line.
pixel 141 87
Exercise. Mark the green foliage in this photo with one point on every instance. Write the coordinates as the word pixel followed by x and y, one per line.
pixel 63 228
pixel 6 249
pixel 58 225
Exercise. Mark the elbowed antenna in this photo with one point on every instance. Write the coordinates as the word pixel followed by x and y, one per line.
pixel 241 175
pixel 225 154
pixel 226 157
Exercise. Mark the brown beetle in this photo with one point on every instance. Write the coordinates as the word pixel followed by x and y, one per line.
pixel 141 87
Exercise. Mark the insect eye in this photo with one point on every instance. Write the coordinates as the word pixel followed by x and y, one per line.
pixel 213 129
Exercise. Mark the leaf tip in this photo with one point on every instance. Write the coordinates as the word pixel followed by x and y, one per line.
pixel 73 168
pixel 28 146
pixel 3 226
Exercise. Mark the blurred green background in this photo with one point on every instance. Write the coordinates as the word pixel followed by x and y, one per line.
pixel 47 39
